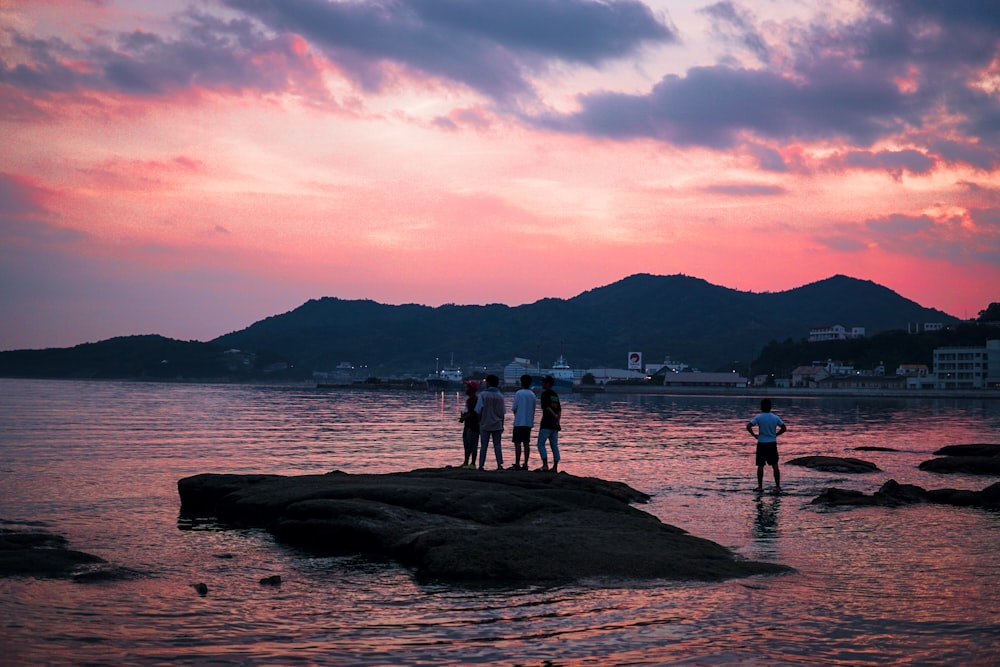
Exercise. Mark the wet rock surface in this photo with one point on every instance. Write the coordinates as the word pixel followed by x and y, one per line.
pixel 468 526
pixel 975 459
pixel 835 464
pixel 894 494
pixel 36 553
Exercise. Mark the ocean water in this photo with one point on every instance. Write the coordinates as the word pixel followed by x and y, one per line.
pixel 98 462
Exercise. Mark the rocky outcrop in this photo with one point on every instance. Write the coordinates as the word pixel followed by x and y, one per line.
pixel 34 553
pixel 969 450
pixel 835 464
pixel 977 459
pixel 894 494
pixel 469 526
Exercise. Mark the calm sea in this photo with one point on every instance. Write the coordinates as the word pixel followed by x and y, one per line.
pixel 98 462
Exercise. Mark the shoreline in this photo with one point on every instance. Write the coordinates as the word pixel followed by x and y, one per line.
pixel 585 390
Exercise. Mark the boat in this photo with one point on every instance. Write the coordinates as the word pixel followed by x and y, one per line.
pixel 448 378
pixel 560 371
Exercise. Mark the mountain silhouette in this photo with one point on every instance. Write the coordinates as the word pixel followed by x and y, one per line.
pixel 685 318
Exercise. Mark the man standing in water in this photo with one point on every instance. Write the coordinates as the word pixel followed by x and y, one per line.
pixel 491 410
pixel 769 427
pixel 548 428
pixel 524 419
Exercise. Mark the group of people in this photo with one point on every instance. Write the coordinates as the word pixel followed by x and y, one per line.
pixel 484 417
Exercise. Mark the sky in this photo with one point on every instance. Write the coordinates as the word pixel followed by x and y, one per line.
pixel 189 168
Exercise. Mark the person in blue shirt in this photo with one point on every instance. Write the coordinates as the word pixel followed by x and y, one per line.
pixel 769 427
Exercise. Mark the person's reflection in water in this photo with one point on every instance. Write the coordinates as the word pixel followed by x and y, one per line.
pixel 765 524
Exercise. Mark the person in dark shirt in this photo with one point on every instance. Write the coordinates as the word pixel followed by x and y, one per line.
pixel 470 434
pixel 550 425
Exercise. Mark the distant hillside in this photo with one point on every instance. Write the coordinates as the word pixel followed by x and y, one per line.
pixel 689 319
pixel 136 357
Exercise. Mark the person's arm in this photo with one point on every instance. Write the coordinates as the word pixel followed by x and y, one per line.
pixel 781 428
pixel 750 429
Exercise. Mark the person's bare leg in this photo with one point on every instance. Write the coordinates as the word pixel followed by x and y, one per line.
pixel 760 478
pixel 777 477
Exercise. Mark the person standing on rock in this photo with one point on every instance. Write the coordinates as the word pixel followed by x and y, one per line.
pixel 491 410
pixel 524 418
pixel 470 434
pixel 769 427
pixel 550 425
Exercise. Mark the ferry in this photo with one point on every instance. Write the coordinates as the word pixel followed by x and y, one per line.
pixel 561 372
pixel 448 378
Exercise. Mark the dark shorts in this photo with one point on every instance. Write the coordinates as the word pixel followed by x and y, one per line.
pixel 767 453
pixel 522 434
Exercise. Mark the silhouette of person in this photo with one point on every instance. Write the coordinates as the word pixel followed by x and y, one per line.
pixel 491 410
pixel 550 425
pixel 524 418
pixel 469 417
pixel 769 427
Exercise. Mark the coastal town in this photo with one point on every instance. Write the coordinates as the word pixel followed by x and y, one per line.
pixel 955 369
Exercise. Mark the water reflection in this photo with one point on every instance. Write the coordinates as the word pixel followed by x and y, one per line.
pixel 765 525
pixel 99 463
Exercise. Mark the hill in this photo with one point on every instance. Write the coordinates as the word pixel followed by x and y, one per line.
pixel 691 320
pixel 687 318
pixel 138 357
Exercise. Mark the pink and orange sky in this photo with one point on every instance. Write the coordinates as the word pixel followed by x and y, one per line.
pixel 188 168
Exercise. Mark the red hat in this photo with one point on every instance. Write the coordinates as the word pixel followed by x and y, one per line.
pixel 473 384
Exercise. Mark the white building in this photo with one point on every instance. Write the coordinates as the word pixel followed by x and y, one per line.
pixel 695 380
pixel 513 371
pixel 834 332
pixel 674 366
pixel 968 367
pixel 606 375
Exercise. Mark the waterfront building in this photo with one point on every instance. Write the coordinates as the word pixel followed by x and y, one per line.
pixel 968 367
pixel 693 380
pixel 808 376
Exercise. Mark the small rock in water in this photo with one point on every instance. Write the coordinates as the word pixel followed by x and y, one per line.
pixel 201 587
pixel 273 580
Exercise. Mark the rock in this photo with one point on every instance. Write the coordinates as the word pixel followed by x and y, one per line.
pixel 469 526
pixel 40 554
pixel 970 465
pixel 841 497
pixel 835 464
pixel 201 588
pixel 893 494
pixel 977 459
pixel 969 450
pixel 273 580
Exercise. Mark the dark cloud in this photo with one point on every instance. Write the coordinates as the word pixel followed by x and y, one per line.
pixel 891 73
pixel 720 107
pixel 490 47
pixel 212 53
pixel 734 23
pixel 487 46
pixel 768 158
pixel 893 162
pixel 975 155
pixel 972 237
pixel 905 70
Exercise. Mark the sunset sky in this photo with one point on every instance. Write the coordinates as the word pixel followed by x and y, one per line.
pixel 188 168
